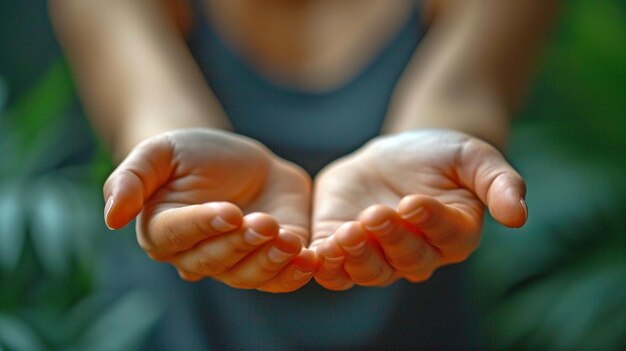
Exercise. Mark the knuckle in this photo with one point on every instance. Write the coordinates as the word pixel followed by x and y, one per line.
pixel 326 275
pixel 458 256
pixel 390 238
pixel 144 242
pixel 146 245
pixel 372 278
pixel 281 285
pixel 203 227
pixel 360 259
pixel 240 282
pixel 408 260
pixel 447 237
pixel 237 246
pixel 419 277
pixel 267 271
pixel 209 266
pixel 158 257
pixel 172 240
pixel 335 284
pixel 188 276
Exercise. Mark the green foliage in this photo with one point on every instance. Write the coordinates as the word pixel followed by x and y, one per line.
pixel 559 283
pixel 579 98
pixel 50 210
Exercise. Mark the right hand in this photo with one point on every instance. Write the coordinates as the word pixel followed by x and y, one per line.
pixel 216 204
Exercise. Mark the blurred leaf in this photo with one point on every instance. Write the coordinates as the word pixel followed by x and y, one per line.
pixel 124 325
pixel 516 318
pixel 50 225
pixel 12 225
pixel 558 282
pixel 563 192
pixel 35 123
pixel 77 319
pixel 38 158
pixel 83 208
pixel 582 304
pixel 17 335
pixel 87 224
pixel 580 95
pixel 43 104
pixel 4 95
pixel 101 165
pixel 611 330
pixel 556 312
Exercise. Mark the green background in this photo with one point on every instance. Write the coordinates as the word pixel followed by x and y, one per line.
pixel 559 283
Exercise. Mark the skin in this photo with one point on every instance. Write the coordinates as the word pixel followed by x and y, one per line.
pixel 401 206
pixel 215 204
pixel 468 75
pixel 407 204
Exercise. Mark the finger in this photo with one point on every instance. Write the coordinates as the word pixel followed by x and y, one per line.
pixel 454 232
pixel 405 248
pixel 331 209
pixel 179 229
pixel 330 273
pixel 265 263
pixel 190 277
pixel 220 253
pixel 143 171
pixel 484 170
pixel 292 209
pixel 297 274
pixel 365 263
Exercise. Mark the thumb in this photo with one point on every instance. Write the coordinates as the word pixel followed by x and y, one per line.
pixel 483 170
pixel 144 170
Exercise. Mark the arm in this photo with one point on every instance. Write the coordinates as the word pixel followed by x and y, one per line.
pixel 426 183
pixel 133 69
pixel 472 68
pixel 209 202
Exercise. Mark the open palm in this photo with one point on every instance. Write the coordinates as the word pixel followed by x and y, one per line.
pixel 404 205
pixel 216 204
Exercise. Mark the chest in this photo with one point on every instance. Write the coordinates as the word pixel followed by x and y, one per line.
pixel 312 44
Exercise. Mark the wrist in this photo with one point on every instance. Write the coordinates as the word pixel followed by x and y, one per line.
pixel 146 121
pixel 481 117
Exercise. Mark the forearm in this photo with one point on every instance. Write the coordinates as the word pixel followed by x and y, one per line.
pixel 472 67
pixel 133 70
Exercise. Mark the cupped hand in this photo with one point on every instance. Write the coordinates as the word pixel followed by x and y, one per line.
pixel 215 204
pixel 404 205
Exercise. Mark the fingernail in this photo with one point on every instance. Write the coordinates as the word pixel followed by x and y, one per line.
pixel 107 209
pixel 417 215
pixel 219 224
pixel 380 227
pixel 332 262
pixel 276 255
pixel 253 237
pixel 524 207
pixel 356 250
pixel 300 275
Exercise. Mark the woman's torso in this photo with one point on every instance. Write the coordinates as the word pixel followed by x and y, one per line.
pixel 312 81
pixel 308 44
pixel 300 121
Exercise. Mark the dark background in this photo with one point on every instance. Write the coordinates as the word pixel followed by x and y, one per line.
pixel 559 283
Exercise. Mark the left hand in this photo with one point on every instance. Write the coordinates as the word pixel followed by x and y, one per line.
pixel 406 204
